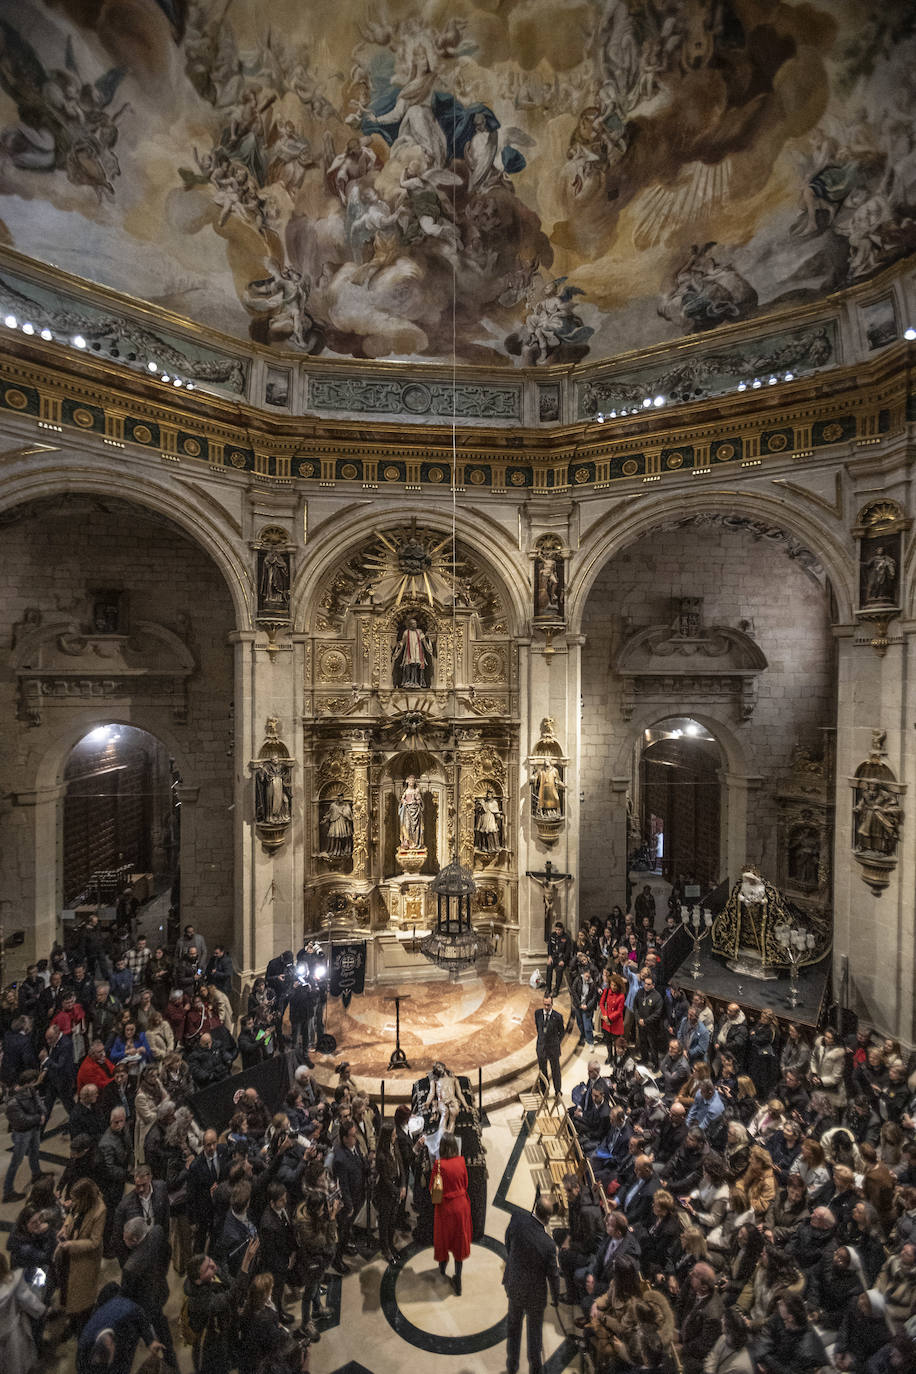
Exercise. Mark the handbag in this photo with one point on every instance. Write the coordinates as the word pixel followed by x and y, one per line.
pixel 437 1188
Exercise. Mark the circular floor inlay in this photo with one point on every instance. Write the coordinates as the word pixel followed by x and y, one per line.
pixel 423 1309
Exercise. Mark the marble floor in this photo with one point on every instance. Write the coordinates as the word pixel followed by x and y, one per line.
pixel 383 1320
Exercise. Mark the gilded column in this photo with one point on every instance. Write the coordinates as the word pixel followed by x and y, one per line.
pixel 361 827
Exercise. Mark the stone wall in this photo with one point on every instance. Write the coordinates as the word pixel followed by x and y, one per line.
pixel 740 580
pixel 50 557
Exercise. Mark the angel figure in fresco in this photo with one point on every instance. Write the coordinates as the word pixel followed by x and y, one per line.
pixel 551 320
pixel 423 211
pixel 357 160
pixel 65 120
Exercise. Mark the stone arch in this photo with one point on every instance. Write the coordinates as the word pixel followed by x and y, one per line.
pixel 199 524
pixel 630 521
pixel 348 532
pixel 734 782
pixel 30 828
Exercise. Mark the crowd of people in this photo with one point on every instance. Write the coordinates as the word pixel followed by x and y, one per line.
pixel 750 1206
pixel 249 1219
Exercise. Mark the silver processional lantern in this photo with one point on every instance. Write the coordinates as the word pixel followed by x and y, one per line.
pixel 453 943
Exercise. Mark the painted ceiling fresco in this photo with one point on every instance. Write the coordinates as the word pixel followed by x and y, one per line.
pixel 535 181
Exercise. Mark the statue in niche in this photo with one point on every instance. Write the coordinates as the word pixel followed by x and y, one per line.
pixel 546 787
pixel 878 818
pixel 273 580
pixel 410 815
pixel 338 823
pixel 804 855
pixel 881 578
pixel 273 793
pixel 548 582
pixel 412 663
pixel 488 823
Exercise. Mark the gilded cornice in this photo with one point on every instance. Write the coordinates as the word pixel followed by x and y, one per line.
pixel 62 390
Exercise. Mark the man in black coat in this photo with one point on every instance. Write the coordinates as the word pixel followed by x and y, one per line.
pixel 559 950
pixel 205 1063
pixel 18 1052
pixel 349 1170
pixel 583 1234
pixel 636 1199
pixel 531 1268
pixel 219 969
pixel 594 1278
pixel 278 1245
pixel 149 1199
pixel 649 1010
pixel 209 1168
pixel 549 1026
pixel 145 1276
pixel 700 1315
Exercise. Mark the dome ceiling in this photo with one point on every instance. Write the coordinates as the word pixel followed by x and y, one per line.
pixel 594 177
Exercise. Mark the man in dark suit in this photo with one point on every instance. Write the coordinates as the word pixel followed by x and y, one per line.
pixel 148 1199
pixel 209 1168
pixel 145 1276
pixel 583 1234
pixel 595 1278
pixel 278 1245
pixel 549 1026
pixel 349 1170
pixel 649 1009
pixel 636 1200
pixel 531 1268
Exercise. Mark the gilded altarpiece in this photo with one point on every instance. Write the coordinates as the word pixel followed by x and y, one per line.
pixel 410 742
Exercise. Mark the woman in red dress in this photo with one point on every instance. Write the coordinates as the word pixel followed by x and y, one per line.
pixel 610 1003
pixel 452 1216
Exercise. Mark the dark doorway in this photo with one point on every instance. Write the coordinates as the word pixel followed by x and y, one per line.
pixel 119 813
pixel 680 790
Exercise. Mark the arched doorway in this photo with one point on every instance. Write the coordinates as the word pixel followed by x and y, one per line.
pixel 120 820
pixel 679 790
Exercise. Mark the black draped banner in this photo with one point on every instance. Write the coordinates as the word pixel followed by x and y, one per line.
pixel 348 969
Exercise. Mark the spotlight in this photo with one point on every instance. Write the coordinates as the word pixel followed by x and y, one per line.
pixel 79 341
pixel 10 321
pixel 189 386
pixel 659 401
pixel 301 970
pixel 28 328
pixel 99 735
pixel 692 729
pixel 47 335
pixel 177 382
pixel 152 367
pixel 320 970
pixel 647 401
pixel 790 377
pixel 773 381
pixel 909 334
pixel 613 414
pixel 757 383
pixel 742 386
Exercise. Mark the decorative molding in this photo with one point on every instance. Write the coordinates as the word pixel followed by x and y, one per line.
pixel 363 396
